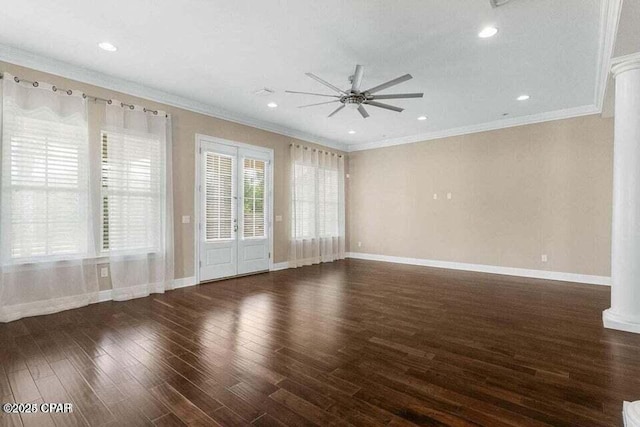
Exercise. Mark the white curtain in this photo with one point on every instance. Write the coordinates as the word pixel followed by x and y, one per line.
pixel 137 199
pixel 84 186
pixel 316 206
pixel 47 252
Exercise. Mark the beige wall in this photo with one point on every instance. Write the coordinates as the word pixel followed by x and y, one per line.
pixel 517 193
pixel 185 126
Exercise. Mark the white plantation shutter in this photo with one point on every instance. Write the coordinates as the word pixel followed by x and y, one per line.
pixel 218 191
pixel 45 184
pixel 254 198
pixel 132 189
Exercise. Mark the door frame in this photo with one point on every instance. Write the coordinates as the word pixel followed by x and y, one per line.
pixel 197 194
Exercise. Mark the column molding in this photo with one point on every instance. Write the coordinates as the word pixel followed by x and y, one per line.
pixel 633 63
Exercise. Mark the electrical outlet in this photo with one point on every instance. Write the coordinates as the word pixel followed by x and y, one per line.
pixel 359 244
pixel 104 272
pixel 186 219
pixel 544 258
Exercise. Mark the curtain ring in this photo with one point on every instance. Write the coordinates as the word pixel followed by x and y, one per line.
pixel 69 92
pixel 53 88
pixel 15 79
pixel 84 95
pixel 109 101
pixel 131 107
pixel 36 84
pixel 122 104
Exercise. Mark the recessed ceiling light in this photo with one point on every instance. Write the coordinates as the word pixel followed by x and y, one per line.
pixel 421 118
pixel 488 32
pixel 351 132
pixel 272 105
pixel 107 46
pixel 523 97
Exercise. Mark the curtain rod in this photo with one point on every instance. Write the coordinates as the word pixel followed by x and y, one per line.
pixel 315 149
pixel 84 95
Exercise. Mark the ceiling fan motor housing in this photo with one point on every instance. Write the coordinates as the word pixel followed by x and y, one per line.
pixel 353 99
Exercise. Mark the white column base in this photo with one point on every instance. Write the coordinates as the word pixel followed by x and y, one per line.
pixel 615 321
pixel 631 414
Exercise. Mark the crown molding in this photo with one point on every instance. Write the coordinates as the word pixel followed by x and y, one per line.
pixel 609 19
pixel 63 69
pixel 585 110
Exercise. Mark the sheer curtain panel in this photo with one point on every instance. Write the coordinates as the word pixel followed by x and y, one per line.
pixel 136 199
pixel 46 247
pixel 316 206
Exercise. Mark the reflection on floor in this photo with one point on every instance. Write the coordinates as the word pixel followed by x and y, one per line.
pixel 351 342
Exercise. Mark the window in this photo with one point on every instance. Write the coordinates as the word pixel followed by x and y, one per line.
pixel 304 202
pixel 316 202
pixel 253 190
pixel 45 175
pixel 328 202
pixel 218 200
pixel 132 192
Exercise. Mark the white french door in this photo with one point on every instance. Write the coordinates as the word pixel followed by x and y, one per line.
pixel 234 192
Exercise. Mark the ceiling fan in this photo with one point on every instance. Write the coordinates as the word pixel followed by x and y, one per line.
pixel 359 98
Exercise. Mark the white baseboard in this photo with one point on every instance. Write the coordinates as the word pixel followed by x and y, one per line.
pixel 104 295
pixel 279 266
pixel 612 320
pixel 184 282
pixel 507 271
pixel 107 294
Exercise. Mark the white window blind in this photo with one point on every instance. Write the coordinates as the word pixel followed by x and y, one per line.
pixel 328 202
pixel 253 172
pixel 45 176
pixel 218 198
pixel 305 201
pixel 316 200
pixel 132 192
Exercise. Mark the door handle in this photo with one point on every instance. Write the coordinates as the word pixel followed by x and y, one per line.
pixel 235 228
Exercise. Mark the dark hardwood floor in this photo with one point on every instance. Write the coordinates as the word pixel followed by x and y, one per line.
pixel 351 342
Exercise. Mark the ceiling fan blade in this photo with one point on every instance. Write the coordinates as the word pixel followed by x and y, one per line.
pixel 398 96
pixel 327 84
pixel 357 78
pixel 363 111
pixel 319 103
pixel 385 106
pixel 310 93
pixel 389 83
pixel 337 110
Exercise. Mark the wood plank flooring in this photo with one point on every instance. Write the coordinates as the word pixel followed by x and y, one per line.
pixel 347 343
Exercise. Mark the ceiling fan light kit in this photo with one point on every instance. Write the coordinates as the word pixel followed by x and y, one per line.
pixel 356 98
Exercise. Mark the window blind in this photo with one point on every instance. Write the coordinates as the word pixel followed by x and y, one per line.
pixel 305 201
pixel 218 198
pixel 132 189
pixel 253 172
pixel 328 202
pixel 45 168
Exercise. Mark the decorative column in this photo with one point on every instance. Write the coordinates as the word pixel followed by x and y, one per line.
pixel 624 313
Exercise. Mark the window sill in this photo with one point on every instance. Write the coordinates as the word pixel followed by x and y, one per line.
pixel 35 263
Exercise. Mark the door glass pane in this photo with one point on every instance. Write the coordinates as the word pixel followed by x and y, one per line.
pixel 253 173
pixel 218 193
